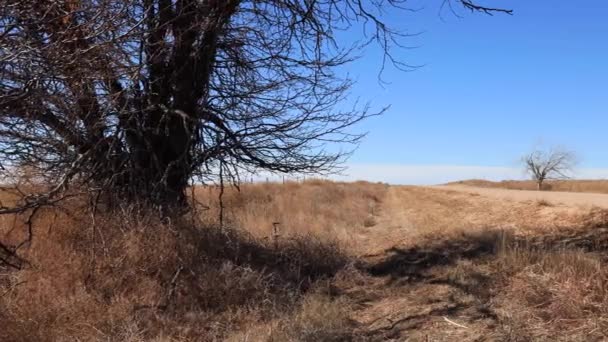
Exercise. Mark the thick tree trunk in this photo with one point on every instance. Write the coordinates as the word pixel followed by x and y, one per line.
pixel 159 162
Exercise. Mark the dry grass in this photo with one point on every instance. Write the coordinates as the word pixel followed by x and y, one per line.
pixel 326 209
pixel 543 203
pixel 132 277
pixel 446 213
pixel 147 280
pixel 501 286
pixel 553 294
pixel 316 318
pixel 592 186
pixel 508 272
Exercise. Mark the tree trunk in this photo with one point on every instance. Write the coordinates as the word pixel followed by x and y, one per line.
pixel 158 160
pixel 539 184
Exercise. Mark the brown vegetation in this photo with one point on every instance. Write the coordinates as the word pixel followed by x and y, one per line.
pixel 593 186
pixel 435 265
pixel 133 277
pixel 323 208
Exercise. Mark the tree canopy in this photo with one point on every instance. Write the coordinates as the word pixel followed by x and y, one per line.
pixel 137 97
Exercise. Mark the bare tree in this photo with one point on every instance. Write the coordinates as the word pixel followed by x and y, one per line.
pixel 137 97
pixel 555 163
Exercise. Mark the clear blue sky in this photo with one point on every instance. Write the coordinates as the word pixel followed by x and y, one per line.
pixel 491 86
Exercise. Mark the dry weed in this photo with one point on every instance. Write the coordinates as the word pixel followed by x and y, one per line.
pixel 552 293
pixel 322 208
pixel 134 277
pixel 543 203
pixel 151 279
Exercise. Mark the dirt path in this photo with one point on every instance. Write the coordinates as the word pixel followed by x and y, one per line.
pixel 427 258
pixel 554 197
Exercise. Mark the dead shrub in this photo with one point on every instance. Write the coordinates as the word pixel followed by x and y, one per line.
pixel 543 203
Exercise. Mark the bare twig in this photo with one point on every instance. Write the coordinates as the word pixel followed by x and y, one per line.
pixel 454 323
pixel 555 163
pixel 137 97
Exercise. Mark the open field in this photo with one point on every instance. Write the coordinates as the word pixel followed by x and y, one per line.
pixel 574 185
pixel 348 262
pixel 550 197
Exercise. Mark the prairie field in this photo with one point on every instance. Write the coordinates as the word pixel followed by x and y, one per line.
pixel 129 130
pixel 312 261
pixel 570 185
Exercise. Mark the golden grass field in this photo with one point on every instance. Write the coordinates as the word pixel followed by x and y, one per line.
pixel 349 262
pixel 593 186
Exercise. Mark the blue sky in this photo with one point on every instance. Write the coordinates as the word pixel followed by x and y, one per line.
pixel 490 89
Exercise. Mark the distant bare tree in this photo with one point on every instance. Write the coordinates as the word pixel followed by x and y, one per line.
pixel 137 97
pixel 555 163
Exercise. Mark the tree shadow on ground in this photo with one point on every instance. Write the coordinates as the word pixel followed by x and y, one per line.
pixel 297 262
pixel 458 264
pixel 413 262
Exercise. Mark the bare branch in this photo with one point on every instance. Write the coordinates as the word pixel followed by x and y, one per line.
pixel 137 97
pixel 555 163
pixel 487 10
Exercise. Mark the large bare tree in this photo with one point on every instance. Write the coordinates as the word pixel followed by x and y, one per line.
pixel 137 97
pixel 555 163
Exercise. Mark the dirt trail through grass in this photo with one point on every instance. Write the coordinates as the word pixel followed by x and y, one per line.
pixel 348 262
pixel 407 294
pixel 429 262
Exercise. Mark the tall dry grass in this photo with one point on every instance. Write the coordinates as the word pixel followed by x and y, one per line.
pixel 326 209
pixel 553 294
pixel 543 288
pixel 131 276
